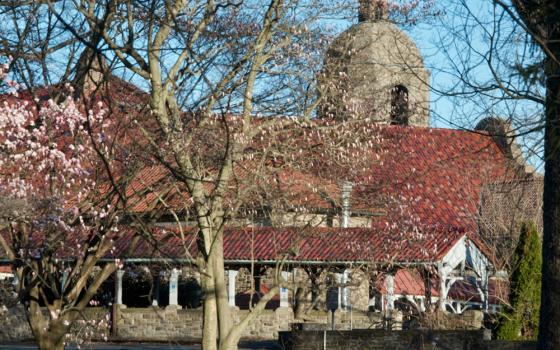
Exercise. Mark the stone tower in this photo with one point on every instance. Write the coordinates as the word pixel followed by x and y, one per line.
pixel 374 70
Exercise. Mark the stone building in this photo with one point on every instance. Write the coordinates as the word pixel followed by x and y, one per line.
pixel 402 238
pixel 375 70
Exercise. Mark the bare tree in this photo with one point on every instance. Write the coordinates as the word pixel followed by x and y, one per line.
pixel 225 80
pixel 513 65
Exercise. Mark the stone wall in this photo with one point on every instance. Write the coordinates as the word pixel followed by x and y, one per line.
pixel 157 323
pixel 395 340
pixel 468 320
pixel 186 324
pixel 18 328
pixel 175 323
pixel 172 323
pixel 95 324
pixel 347 320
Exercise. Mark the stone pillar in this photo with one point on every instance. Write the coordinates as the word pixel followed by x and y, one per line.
pixel 390 286
pixel 118 286
pixel 232 275
pixel 284 291
pixel 421 304
pixel 345 291
pixel 174 287
pixel 155 300
pixel 338 279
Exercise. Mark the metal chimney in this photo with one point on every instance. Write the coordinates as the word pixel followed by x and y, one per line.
pixel 346 192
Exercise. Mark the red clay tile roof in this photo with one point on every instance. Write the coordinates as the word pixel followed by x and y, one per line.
pixel 424 176
pixel 498 291
pixel 304 245
pixel 266 244
pixel 435 174
pixel 408 282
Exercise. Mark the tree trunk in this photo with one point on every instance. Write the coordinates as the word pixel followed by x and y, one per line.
pixel 225 320
pixel 209 319
pixel 232 339
pixel 49 335
pixel 49 341
pixel 549 326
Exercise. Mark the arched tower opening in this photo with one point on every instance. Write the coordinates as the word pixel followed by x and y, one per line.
pixel 399 105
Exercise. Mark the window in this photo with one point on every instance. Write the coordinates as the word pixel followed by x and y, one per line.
pixel 399 105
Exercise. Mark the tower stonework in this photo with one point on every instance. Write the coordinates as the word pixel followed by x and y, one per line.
pixel 374 70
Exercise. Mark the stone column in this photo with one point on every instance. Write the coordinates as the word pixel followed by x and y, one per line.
pixel 118 287
pixel 421 304
pixel 371 303
pixel 390 286
pixel 174 287
pixel 232 275
pixel 338 279
pixel 284 291
pixel 155 300
pixel 345 291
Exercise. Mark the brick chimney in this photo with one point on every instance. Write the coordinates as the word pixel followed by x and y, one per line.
pixel 373 10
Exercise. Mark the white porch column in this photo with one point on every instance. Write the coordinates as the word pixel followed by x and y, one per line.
pixel 118 286
pixel 338 279
pixel 442 274
pixel 174 287
pixel 155 300
pixel 232 275
pixel 390 286
pixel 345 291
pixel 485 288
pixel 421 304
pixel 284 291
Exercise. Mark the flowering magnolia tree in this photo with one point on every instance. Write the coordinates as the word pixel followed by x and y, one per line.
pixel 218 74
pixel 56 220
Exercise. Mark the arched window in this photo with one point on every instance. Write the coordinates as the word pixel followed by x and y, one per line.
pixel 399 105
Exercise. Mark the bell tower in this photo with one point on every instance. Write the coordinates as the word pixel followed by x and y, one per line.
pixel 374 70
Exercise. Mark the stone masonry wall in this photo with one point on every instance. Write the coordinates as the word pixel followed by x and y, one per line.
pixel 395 340
pixel 175 323
pixel 183 324
pixel 16 327
pixel 93 325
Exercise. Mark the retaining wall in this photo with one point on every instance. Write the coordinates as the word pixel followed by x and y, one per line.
pixel 395 340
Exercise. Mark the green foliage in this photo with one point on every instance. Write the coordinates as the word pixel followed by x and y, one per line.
pixel 521 321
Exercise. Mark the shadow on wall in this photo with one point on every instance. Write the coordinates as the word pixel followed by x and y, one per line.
pixel 243 300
